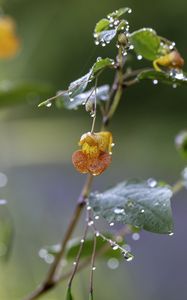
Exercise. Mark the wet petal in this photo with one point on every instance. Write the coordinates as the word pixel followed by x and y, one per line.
pixel 79 160
pixel 96 166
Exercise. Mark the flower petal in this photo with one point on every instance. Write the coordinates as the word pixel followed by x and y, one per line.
pixel 79 160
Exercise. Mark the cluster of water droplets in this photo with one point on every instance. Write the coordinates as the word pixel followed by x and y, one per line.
pixel 114 244
pixel 104 37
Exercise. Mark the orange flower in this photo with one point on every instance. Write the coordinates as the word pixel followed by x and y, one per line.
pixel 172 60
pixel 95 155
pixel 9 42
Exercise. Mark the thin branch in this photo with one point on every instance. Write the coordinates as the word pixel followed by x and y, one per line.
pixel 178 186
pixel 78 256
pixel 92 266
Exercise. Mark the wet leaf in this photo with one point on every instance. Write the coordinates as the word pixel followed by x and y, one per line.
pixel 102 93
pixel 141 204
pixel 101 64
pixel 78 86
pixel 14 93
pixel 146 43
pixel 119 12
pixel 103 24
pixel 74 244
pixel 173 77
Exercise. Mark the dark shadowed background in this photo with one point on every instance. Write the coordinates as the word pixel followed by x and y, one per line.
pixel 36 147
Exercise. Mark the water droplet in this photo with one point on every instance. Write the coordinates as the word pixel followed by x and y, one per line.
pixel 74 263
pixel 129 11
pixel 49 259
pixel 115 247
pixel 155 81
pixel 71 99
pixel 92 114
pixel 88 207
pixel 97 217
pixel 90 223
pixel 131 47
pixel 96 43
pixel 171 233
pixel 99 58
pixel 139 57
pixel 113 263
pixel 128 257
pixel 110 152
pixel 116 22
pixel 3 201
pixel 97 233
pixel 174 85
pixel 49 104
pixel 152 182
pixel 42 253
pixel 112 145
pixel 112 224
pixel 95 35
pixel 119 211
pixel 142 211
pixel 93 268
pixel 135 236
pixel 82 241
pixel 103 44
pixel 124 53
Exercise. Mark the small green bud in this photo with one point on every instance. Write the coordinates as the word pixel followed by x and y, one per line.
pixel 122 39
pixel 181 143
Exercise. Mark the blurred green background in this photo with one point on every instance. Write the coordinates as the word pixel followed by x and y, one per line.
pixel 36 146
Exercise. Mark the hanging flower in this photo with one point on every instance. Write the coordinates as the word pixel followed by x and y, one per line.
pixel 95 154
pixel 9 42
pixel 173 60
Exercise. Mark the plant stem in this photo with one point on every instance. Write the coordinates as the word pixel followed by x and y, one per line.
pixel 178 186
pixel 92 266
pixel 118 83
pixel 78 257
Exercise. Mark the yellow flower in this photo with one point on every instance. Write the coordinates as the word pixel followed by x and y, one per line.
pixel 95 154
pixel 9 42
pixel 173 60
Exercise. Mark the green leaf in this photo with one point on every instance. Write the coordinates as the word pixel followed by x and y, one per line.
pixel 173 78
pixel 103 24
pixel 69 294
pixel 74 244
pixel 102 63
pixel 146 43
pixel 181 143
pixel 141 204
pixel 78 86
pixel 119 12
pixel 23 92
pixel 102 93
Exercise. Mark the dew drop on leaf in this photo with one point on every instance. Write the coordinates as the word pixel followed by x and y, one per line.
pixel 139 57
pixel 152 182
